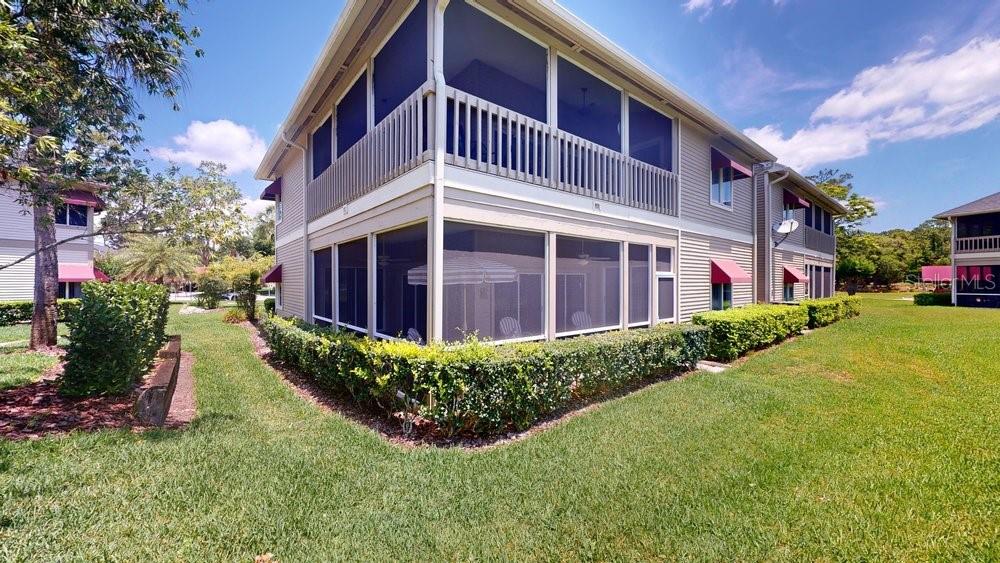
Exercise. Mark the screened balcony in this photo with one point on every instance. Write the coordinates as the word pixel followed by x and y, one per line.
pixel 978 233
pixel 512 110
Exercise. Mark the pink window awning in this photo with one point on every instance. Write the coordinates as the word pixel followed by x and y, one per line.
pixel 273 275
pixel 728 271
pixel 795 201
pixel 722 160
pixel 80 273
pixel 272 191
pixel 935 274
pixel 83 197
pixel 795 275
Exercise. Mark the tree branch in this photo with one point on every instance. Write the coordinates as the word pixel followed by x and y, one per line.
pixel 85 235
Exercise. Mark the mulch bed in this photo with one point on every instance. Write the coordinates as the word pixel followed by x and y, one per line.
pixel 36 410
pixel 423 434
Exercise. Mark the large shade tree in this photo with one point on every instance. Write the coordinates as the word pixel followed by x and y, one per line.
pixel 70 72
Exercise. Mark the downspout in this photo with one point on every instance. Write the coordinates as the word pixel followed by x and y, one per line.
pixel 769 255
pixel 437 206
pixel 307 307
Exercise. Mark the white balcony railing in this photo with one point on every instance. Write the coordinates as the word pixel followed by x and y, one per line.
pixel 396 145
pixel 978 244
pixel 489 138
pixel 486 137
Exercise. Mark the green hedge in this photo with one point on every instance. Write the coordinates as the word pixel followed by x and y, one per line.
pixel 734 332
pixel 114 337
pixel 478 388
pixel 829 310
pixel 939 299
pixel 14 312
pixel 269 305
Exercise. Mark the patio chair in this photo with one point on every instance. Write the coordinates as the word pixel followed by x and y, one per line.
pixel 510 328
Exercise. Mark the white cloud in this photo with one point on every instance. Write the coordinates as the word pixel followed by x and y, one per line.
pixel 749 83
pixel 920 95
pixel 254 206
pixel 705 6
pixel 232 144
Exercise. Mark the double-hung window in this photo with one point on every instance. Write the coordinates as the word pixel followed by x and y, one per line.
pixel 72 215
pixel 789 292
pixel 722 186
pixel 722 296
pixel 665 310
pixel 788 212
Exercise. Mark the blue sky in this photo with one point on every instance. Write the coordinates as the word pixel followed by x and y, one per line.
pixel 904 94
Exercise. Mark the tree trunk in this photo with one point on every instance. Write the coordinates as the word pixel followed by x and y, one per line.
pixel 45 315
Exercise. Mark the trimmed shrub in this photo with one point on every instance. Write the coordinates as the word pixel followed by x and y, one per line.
pixel 269 305
pixel 829 310
pixel 932 299
pixel 234 315
pixel 14 312
pixel 114 337
pixel 476 387
pixel 734 332
pixel 211 287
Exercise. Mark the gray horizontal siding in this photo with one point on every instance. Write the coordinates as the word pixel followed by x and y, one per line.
pixel 292 194
pixel 696 185
pixel 696 253
pixel 16 282
pixel 782 259
pixel 293 276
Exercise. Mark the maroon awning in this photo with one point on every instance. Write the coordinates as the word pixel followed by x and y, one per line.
pixel 795 275
pixel 935 274
pixel 273 275
pixel 795 201
pixel 728 271
pixel 272 191
pixel 721 160
pixel 80 273
pixel 83 197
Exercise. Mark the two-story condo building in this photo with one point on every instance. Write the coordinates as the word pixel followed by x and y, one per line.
pixel 975 252
pixel 500 168
pixel 76 258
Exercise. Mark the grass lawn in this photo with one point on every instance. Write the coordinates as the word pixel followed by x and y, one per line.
pixel 17 366
pixel 877 438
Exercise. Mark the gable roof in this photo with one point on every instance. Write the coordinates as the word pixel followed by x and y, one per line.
pixel 816 193
pixel 988 204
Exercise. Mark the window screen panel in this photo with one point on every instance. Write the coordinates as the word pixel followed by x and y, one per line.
pixel 665 298
pixel 401 303
pixel 638 283
pixel 401 66
pixel 650 135
pixel 352 283
pixel 322 140
pixel 323 283
pixel 587 284
pixel 352 115
pixel 588 106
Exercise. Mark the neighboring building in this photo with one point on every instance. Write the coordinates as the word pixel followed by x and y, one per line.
pixel 17 239
pixel 502 168
pixel 975 252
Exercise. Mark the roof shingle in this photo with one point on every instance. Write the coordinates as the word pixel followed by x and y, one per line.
pixel 988 204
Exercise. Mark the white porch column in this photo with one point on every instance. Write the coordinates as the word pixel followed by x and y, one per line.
pixel 550 285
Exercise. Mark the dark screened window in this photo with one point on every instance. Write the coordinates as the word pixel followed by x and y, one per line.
pixel 352 115
pixel 493 282
pixel 722 296
pixel 985 225
pixel 638 283
pixel 323 286
pixel 588 106
pixel 401 66
pixel 487 59
pixel 352 284
pixel 650 135
pixel 665 298
pixel 827 223
pixel 322 140
pixel 71 214
pixel 401 302
pixel 809 217
pixel 588 280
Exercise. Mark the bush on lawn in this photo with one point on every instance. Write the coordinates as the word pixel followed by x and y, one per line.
pixel 114 337
pixel 480 388
pixel 269 305
pixel 14 312
pixel 734 332
pixel 234 315
pixel 211 287
pixel 932 299
pixel 829 310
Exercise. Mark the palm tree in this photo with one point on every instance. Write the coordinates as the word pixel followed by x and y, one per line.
pixel 156 259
